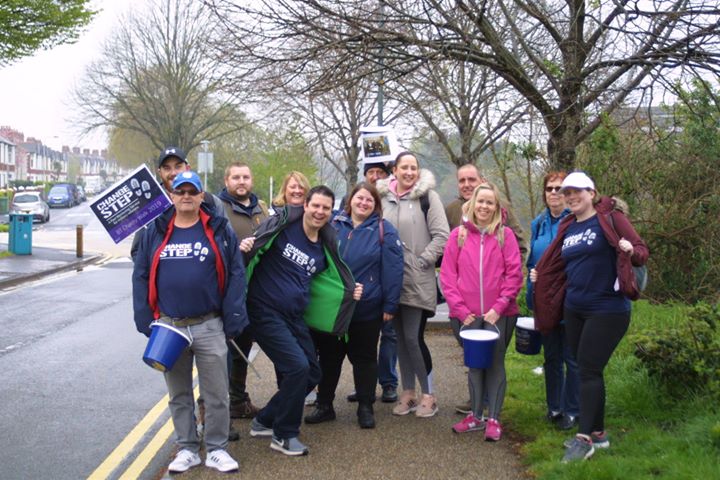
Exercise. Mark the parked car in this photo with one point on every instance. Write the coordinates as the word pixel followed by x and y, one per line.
pixel 32 203
pixel 81 193
pixel 62 195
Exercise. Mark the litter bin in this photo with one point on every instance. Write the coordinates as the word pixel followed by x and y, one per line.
pixel 21 233
pixel 3 205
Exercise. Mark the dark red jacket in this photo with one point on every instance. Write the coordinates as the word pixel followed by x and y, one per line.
pixel 549 294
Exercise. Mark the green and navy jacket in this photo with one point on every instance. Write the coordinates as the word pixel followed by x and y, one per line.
pixel 331 304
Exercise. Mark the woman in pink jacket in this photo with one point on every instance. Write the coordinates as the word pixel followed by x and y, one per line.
pixel 481 277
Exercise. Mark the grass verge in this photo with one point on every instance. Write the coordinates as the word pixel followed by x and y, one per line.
pixel 651 435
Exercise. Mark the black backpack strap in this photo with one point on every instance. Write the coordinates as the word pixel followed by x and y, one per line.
pixel 425 204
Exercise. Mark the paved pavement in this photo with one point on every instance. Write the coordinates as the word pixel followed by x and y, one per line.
pixel 400 447
pixel 43 261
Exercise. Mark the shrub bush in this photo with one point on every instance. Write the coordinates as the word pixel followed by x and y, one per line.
pixel 685 358
pixel 670 180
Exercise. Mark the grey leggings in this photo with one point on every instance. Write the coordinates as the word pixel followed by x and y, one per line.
pixel 413 354
pixel 491 382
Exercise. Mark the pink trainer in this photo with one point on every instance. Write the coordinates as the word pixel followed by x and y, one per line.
pixel 469 424
pixel 493 430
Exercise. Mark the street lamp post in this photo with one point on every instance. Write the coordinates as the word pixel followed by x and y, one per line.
pixel 205 161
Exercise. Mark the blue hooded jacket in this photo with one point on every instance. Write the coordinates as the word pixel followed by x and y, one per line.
pixel 543 231
pixel 220 233
pixel 376 263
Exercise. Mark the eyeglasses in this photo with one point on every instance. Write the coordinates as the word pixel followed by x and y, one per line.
pixel 552 189
pixel 182 193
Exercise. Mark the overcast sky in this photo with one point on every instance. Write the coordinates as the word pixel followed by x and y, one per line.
pixel 35 91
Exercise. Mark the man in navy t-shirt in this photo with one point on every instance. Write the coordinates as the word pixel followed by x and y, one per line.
pixel 278 294
pixel 189 274
pixel 292 262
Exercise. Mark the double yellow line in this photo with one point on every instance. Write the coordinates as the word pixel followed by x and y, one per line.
pixel 121 452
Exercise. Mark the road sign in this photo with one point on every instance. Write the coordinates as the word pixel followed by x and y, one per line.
pixel 205 162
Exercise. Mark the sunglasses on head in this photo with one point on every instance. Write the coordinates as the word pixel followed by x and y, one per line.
pixel 552 189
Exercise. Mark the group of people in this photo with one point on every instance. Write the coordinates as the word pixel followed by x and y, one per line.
pixel 312 286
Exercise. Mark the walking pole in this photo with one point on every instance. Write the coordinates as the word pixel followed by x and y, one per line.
pixel 245 358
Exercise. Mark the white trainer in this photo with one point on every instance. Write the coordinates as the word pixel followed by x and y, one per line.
pixel 184 460
pixel 221 461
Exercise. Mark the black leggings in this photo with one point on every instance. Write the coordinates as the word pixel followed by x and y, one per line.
pixel 361 350
pixel 592 338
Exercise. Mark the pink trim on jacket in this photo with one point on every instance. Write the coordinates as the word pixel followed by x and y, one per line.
pixel 460 273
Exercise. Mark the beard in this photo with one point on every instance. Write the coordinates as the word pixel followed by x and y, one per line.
pixel 242 198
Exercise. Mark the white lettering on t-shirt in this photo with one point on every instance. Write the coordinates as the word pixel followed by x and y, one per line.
pixel 184 251
pixel 300 258
pixel 588 237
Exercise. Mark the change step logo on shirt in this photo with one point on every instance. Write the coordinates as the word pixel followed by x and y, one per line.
pixel 184 251
pixel 300 258
pixel 587 237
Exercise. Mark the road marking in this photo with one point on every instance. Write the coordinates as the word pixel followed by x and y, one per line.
pixel 116 457
pixel 146 456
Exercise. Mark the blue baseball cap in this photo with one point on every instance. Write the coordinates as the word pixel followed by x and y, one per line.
pixel 187 177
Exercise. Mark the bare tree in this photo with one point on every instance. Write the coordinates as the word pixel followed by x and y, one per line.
pixel 332 120
pixel 329 116
pixel 573 60
pixel 156 77
pixel 458 100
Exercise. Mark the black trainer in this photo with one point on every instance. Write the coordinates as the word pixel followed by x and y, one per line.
pixel 553 417
pixel 352 397
pixel 567 422
pixel 233 435
pixel 322 413
pixel 389 394
pixel 366 416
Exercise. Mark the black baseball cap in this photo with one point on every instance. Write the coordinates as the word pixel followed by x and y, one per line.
pixel 171 152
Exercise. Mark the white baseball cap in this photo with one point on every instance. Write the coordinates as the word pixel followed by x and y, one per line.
pixel 578 180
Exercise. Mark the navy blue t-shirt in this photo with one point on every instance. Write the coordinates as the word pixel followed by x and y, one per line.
pixel 590 264
pixel 281 280
pixel 187 278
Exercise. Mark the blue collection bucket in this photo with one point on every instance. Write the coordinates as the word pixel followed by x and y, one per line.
pixel 478 346
pixel 528 341
pixel 165 346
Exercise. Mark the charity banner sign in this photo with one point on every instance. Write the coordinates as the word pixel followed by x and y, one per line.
pixel 379 144
pixel 130 204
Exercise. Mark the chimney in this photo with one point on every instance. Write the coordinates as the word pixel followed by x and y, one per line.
pixel 103 153
pixel 76 150
pixel 12 134
pixel 95 153
pixel 65 149
pixel 86 152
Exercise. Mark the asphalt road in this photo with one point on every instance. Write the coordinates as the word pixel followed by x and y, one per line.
pixel 74 383
pixel 61 232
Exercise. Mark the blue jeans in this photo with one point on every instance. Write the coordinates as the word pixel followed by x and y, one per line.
pixel 562 374
pixel 288 344
pixel 387 356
